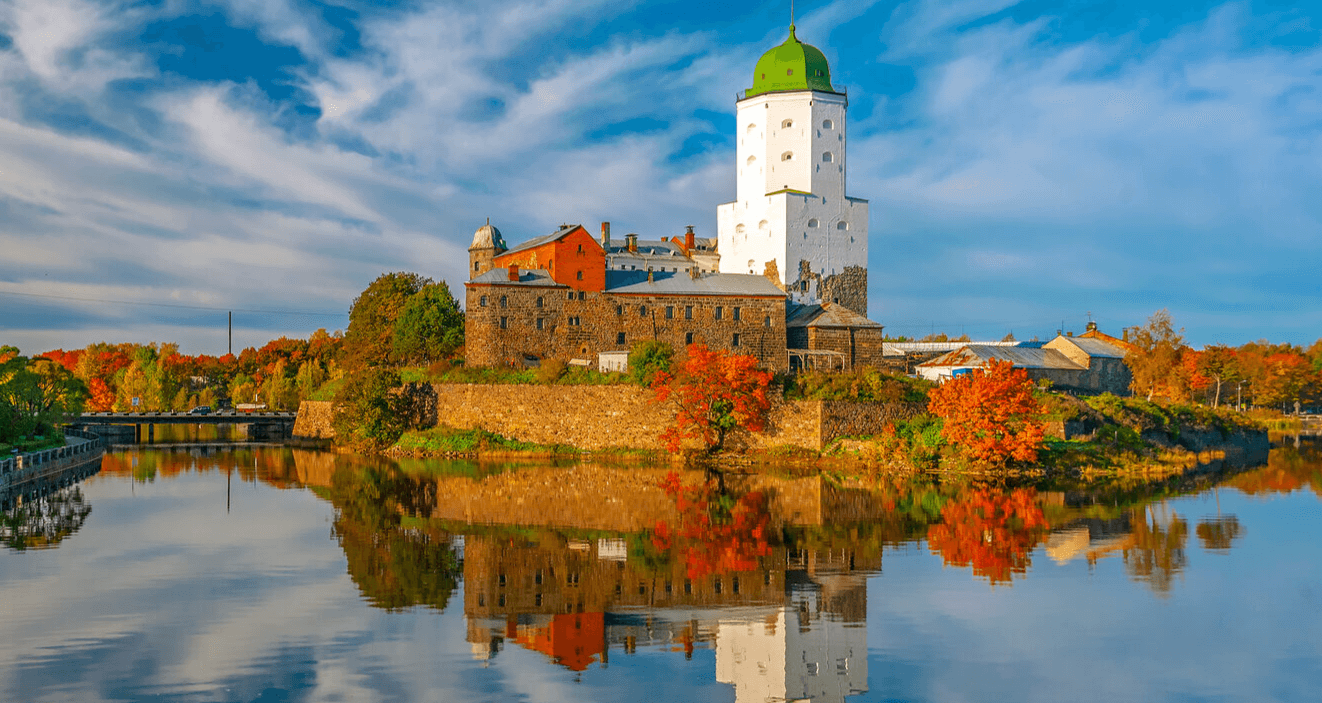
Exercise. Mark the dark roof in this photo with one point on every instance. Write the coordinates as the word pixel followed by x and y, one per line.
pixel 681 283
pixel 500 276
pixel 826 315
pixel 1021 357
pixel 538 241
pixel 645 248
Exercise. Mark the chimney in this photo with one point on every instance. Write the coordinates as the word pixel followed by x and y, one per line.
pixel 1092 326
pixel 631 240
pixel 688 241
pixel 606 236
pixel 650 279
pixel 514 272
pixel 694 273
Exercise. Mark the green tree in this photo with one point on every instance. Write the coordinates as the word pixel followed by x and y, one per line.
pixel 648 358
pixel 430 326
pixel 370 412
pixel 372 318
pixel 36 395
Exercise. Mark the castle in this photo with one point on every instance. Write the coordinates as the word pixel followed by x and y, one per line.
pixel 784 280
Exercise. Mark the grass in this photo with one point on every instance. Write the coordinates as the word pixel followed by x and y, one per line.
pixel 31 444
pixel 450 441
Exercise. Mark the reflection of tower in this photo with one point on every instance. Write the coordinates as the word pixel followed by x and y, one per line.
pixel 800 651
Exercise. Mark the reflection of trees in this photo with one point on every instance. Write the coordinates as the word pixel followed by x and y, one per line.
pixel 715 532
pixel 45 522
pixel 394 565
pixel 1157 553
pixel 1288 469
pixel 1217 533
pixel 991 530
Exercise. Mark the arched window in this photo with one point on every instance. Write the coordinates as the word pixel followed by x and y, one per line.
pixel 540 302
pixel 787 156
pixel 751 264
pixel 580 275
pixel 827 157
pixel 827 124
pixel 752 160
pixel 750 128
pixel 787 124
pixel 739 229
pixel 762 224
pixel 812 222
pixel 842 225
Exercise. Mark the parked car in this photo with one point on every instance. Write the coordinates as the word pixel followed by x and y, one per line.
pixel 200 410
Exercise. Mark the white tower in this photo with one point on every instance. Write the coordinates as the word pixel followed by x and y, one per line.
pixel 791 219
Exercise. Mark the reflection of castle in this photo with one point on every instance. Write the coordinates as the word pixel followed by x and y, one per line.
pixel 793 629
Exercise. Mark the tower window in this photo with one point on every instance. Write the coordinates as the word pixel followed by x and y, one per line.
pixel 541 323
pixel 688 338
pixel 619 339
pixel 751 126
pixel 734 341
pixel 739 229
pixel 540 302
pixel 482 302
pixel 503 301
pixel 827 157
pixel 502 322
pixel 827 124
pixel 842 225
pixel 787 124
pixel 787 156
pixel 812 222
pixel 580 275
pixel 477 265
pixel 752 160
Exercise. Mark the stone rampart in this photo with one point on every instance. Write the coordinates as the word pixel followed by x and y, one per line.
pixel 611 417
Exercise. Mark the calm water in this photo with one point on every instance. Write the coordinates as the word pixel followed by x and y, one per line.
pixel 271 574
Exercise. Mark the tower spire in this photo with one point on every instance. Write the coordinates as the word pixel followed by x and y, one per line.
pixel 791 15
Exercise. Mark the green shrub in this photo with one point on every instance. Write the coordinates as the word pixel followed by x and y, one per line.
pixel 646 359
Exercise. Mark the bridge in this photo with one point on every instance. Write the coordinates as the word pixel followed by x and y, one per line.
pixel 259 424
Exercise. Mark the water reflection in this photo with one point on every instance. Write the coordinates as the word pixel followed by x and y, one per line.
pixel 760 583
pixel 44 522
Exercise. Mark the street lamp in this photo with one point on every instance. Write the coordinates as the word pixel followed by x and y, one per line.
pixel 1239 391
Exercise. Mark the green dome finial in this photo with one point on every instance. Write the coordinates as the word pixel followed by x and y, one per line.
pixel 791 66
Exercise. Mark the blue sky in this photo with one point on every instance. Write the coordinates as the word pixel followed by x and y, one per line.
pixel 1027 163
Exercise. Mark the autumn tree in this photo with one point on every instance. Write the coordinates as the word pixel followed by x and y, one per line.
pixel 1219 363
pixel 990 414
pixel 1157 348
pixel 370 413
pixel 993 531
pixel 369 341
pixel 716 394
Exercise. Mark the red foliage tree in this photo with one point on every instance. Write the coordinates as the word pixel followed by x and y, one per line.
pixel 990 414
pixel 716 393
pixel 715 534
pixel 992 531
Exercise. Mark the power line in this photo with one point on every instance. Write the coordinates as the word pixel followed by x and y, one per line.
pixel 173 305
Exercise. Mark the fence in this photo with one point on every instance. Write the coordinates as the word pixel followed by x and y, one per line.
pixel 51 459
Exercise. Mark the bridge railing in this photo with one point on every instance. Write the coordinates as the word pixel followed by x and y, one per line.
pixel 68 453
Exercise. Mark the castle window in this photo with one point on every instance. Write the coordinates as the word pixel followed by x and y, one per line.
pixel 502 322
pixel 482 302
pixel 752 126
pixel 813 222
pixel 734 314
pixel 787 124
pixel 827 157
pixel 827 124
pixel 503 301
pixel 688 312
pixel 751 160
pixel 767 322
pixel 580 275
pixel 739 229
pixel 477 265
pixel 642 311
pixel 842 225
pixel 619 310
pixel 688 338
pixel 720 312
pixel 734 341
pixel 670 312
pixel 582 295
pixel 762 225
pixel 541 323
pixel 571 295
pixel 580 248
pixel 540 301
pixel 619 339
pixel 787 156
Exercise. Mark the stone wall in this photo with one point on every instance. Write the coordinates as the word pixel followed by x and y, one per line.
pixel 504 322
pixel 609 417
pixel 314 420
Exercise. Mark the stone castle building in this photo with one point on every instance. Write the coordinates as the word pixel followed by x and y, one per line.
pixel 784 280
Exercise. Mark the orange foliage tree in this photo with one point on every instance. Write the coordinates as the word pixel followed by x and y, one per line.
pixel 715 533
pixel 992 531
pixel 716 394
pixel 990 414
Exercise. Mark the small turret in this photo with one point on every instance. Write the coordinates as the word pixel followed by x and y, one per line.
pixel 487 245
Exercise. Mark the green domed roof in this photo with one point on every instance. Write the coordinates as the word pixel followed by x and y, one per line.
pixel 791 66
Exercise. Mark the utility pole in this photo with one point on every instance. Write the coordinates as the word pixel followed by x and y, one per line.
pixel 230 347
